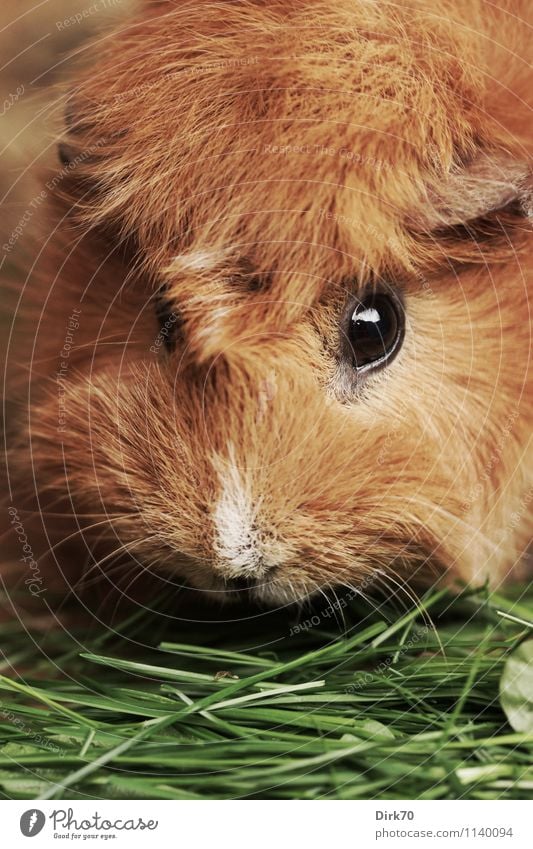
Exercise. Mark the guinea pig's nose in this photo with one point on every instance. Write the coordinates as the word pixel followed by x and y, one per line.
pixel 240 584
pixel 245 584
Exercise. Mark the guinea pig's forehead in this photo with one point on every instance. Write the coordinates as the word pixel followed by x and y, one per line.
pixel 293 272
pixel 295 250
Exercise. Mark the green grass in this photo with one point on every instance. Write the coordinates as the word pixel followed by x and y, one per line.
pixel 391 703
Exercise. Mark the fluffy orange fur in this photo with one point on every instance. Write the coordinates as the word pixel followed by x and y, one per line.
pixel 263 162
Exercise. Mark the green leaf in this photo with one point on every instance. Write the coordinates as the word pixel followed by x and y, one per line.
pixel 516 688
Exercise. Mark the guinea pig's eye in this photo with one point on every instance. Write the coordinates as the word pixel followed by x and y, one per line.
pixel 168 320
pixel 375 329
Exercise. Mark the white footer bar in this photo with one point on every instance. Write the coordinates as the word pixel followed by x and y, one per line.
pixel 268 825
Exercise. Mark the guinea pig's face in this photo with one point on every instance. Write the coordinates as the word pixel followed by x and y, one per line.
pixel 298 373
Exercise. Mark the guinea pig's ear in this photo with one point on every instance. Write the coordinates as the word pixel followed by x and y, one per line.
pixel 475 190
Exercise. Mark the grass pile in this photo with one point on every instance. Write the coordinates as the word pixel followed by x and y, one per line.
pixel 341 703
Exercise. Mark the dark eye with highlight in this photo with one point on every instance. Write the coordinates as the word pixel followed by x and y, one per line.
pixel 374 330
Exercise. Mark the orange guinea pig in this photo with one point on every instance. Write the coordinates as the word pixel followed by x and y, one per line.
pixel 275 336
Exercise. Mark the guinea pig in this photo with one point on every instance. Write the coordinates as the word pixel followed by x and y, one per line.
pixel 275 333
